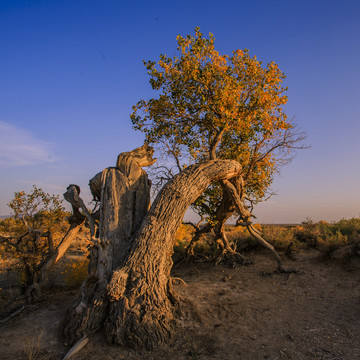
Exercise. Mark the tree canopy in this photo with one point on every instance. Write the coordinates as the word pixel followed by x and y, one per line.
pixel 212 106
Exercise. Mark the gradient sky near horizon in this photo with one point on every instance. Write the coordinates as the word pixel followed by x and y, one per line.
pixel 70 72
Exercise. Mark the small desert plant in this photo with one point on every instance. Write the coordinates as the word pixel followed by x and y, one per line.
pixel 324 234
pixel 279 236
pixel 336 239
pixel 32 346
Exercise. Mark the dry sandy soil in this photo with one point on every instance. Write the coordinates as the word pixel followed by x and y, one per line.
pixel 246 312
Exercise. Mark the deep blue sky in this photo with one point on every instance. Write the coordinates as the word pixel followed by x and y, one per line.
pixel 70 71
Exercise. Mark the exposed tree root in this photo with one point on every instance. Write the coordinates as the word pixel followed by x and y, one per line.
pixel 88 313
pixel 284 271
pixel 12 315
pixel 179 280
pixel 231 258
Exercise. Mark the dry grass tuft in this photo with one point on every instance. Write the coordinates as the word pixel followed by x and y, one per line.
pixel 32 347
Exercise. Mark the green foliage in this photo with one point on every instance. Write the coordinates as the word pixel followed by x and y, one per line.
pixel 350 227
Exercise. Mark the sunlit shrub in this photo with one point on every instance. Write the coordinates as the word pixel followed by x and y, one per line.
pixel 280 236
pixel 240 237
pixel 349 227
pixel 182 239
pixel 334 240
pixel 328 234
pixel 184 234
pixel 37 226
pixel 75 272
pixel 306 237
pixel 309 234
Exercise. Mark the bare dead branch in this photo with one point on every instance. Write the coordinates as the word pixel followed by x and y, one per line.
pixel 172 152
pixel 77 347
pixel 72 196
pixel 60 250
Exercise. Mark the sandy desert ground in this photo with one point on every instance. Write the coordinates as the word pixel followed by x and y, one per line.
pixel 246 312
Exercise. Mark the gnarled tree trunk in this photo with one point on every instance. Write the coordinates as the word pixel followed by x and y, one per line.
pixel 133 298
pixel 124 195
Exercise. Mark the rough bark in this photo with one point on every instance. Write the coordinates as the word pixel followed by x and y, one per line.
pixel 138 305
pixel 142 301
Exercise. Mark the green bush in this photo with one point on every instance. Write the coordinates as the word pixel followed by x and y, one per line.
pixel 350 227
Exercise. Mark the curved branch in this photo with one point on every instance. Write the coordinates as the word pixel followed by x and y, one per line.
pixel 245 215
pixel 215 143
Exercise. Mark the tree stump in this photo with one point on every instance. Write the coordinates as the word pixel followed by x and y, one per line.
pixel 124 193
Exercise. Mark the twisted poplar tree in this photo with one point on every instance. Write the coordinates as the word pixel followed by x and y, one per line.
pixel 223 113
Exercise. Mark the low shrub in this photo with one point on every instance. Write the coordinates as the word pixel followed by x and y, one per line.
pixel 309 234
pixel 241 238
pixel 74 272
